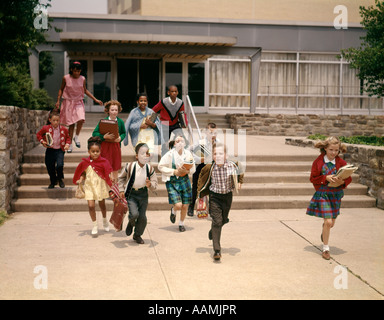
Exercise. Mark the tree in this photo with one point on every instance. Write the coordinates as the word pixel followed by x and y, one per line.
pixel 18 34
pixel 368 59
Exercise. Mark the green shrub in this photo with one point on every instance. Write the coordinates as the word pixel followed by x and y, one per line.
pixel 364 140
pixel 3 217
pixel 16 89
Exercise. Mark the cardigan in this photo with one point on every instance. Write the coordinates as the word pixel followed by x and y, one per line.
pixel 319 179
pixel 101 166
pixel 125 176
pixel 122 132
pixel 133 123
pixel 64 136
pixel 205 176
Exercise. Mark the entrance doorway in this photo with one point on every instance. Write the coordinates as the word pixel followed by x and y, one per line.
pixel 136 76
pixel 190 79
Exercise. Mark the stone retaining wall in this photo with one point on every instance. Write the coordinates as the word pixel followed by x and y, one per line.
pixel 18 127
pixel 304 125
pixel 370 161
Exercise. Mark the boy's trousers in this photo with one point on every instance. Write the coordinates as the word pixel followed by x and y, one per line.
pixel 137 206
pixel 54 161
pixel 219 206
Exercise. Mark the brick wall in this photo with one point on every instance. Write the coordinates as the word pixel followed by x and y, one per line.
pixel 18 129
pixel 370 161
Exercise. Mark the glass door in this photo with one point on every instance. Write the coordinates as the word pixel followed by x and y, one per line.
pixel 190 79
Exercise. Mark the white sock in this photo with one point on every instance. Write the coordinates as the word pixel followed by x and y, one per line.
pixel 325 247
pixel 181 223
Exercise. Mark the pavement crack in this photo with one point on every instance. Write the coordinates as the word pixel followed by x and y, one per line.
pixel 339 263
pixel 160 265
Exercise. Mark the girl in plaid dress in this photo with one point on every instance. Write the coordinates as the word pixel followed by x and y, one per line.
pixel 326 201
pixel 176 179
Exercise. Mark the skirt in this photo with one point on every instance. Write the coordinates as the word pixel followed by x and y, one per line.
pixel 112 152
pixel 325 204
pixel 71 112
pixel 179 190
pixel 95 188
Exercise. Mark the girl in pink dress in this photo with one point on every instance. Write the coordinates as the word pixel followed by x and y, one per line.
pixel 72 90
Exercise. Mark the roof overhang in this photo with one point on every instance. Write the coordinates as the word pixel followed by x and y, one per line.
pixel 151 39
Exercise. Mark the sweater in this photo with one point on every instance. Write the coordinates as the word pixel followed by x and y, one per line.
pixel 101 166
pixel 319 179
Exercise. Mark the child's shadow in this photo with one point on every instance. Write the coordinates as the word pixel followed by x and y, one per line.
pixel 334 250
pixel 175 228
pixel 126 242
pixel 231 251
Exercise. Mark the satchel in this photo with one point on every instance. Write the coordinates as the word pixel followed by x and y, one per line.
pixel 80 194
pixel 120 208
pixel 202 207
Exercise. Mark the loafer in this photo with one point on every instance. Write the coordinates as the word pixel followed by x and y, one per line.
pixel 76 140
pixel 128 230
pixel 138 239
pixel 217 256
pixel 326 255
pixel 61 184
pixel 172 216
pixel 190 211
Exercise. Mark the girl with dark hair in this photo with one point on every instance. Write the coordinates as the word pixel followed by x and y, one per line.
pixel 94 172
pixel 72 90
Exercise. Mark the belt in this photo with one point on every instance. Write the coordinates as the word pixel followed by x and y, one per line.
pixel 139 189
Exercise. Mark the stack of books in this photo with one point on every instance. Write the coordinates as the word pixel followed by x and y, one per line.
pixel 344 173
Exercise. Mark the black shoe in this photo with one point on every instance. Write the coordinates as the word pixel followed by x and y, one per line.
pixel 210 234
pixel 138 239
pixel 190 211
pixel 128 230
pixel 181 228
pixel 61 184
pixel 51 186
pixel 172 216
pixel 217 255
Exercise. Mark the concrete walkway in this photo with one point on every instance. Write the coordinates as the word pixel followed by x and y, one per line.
pixel 267 254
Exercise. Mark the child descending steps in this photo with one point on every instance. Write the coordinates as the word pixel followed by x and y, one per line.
pixel 326 201
pixel 218 180
pixel 175 176
pixel 54 155
pixel 111 145
pixel 95 172
pixel 134 181
pixel 72 111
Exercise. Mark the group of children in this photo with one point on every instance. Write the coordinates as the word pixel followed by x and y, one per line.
pixel 215 176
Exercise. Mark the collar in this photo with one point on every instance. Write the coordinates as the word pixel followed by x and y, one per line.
pixel 326 160
pixel 170 101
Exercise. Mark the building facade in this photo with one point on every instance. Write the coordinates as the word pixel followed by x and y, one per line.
pixel 226 56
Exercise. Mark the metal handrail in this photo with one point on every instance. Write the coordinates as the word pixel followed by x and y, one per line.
pixel 189 111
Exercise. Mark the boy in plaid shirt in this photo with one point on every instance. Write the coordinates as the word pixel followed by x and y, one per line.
pixel 218 180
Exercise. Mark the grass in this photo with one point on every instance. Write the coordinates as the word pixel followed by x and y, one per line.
pixel 3 217
pixel 363 140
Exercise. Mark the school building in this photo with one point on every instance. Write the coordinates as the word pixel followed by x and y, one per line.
pixel 275 56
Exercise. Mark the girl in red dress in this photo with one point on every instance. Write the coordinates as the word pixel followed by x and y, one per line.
pixel 112 150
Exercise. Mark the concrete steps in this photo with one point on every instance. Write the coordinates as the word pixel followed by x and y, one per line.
pixel 64 204
pixel 272 181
